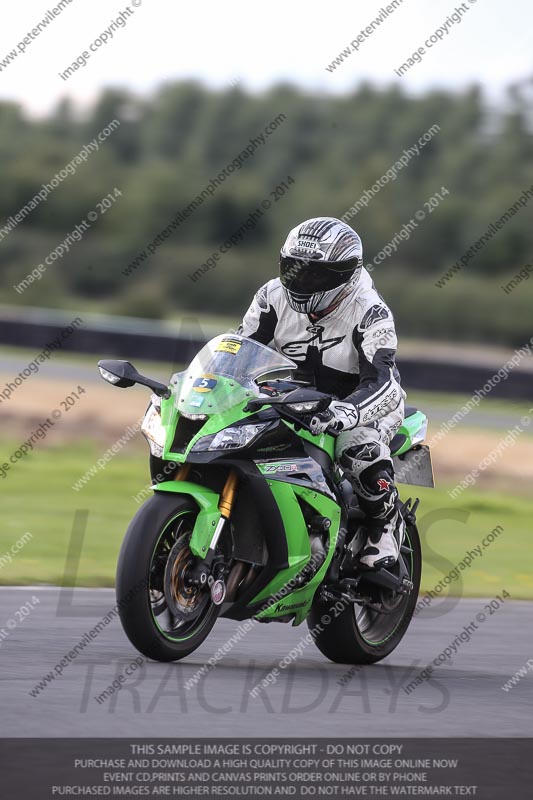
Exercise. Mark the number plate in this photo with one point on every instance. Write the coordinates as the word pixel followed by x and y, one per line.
pixel 415 468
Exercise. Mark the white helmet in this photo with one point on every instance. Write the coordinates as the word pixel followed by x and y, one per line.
pixel 319 263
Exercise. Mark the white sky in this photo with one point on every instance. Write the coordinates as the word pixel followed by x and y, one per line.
pixel 261 43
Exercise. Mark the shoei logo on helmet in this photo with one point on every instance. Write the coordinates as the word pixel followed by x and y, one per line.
pixel 306 246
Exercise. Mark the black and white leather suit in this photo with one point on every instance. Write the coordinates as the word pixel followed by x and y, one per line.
pixel 349 353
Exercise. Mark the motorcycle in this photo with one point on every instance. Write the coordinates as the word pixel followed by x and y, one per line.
pixel 250 516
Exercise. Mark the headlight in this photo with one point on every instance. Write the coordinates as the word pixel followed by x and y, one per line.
pixel 153 431
pixel 230 438
pixel 194 417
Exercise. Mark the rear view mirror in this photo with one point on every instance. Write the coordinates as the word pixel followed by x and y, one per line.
pixel 123 374
pixel 117 372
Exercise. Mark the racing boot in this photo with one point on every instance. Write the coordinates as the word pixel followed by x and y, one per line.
pixel 386 526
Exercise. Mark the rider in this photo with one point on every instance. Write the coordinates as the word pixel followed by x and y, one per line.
pixel 324 313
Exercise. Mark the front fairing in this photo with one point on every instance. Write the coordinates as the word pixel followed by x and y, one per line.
pixel 221 407
pixel 232 399
pixel 212 393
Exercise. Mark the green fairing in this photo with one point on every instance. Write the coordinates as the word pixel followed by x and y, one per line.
pixel 324 440
pixel 299 551
pixel 168 412
pixel 223 406
pixel 208 516
pixel 169 419
pixel 410 427
pixel 298 544
pixel 227 395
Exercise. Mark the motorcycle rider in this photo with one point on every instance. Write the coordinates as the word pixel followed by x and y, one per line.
pixel 325 313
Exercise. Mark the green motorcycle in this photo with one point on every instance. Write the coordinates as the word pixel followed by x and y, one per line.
pixel 251 517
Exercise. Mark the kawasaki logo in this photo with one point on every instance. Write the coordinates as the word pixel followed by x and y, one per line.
pixel 282 607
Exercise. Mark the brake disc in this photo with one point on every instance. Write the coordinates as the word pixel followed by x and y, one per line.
pixel 183 599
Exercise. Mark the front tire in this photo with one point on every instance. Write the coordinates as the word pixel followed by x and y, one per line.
pixel 358 635
pixel 164 618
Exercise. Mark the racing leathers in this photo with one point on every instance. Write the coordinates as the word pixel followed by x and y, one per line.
pixel 348 352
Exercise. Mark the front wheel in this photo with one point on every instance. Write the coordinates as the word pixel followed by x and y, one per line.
pixel 362 635
pixel 164 616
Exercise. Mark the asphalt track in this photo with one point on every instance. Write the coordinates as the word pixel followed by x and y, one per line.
pixel 463 697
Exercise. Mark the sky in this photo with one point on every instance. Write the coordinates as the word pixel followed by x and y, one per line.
pixel 259 44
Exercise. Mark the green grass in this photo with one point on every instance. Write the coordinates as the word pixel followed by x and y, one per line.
pixel 450 528
pixel 454 402
pixel 37 497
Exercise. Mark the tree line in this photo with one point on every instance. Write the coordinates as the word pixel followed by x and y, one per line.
pixel 191 181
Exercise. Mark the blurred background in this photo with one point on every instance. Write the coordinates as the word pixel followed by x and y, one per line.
pixel 172 99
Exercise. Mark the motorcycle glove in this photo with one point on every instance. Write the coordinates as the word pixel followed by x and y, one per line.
pixel 337 417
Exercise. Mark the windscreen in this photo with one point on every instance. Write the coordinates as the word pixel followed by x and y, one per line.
pixel 236 357
pixel 223 373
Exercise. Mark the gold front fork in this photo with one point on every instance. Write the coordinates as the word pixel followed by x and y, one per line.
pixel 225 504
pixel 183 473
pixel 227 498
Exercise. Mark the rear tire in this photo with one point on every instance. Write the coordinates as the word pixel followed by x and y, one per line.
pixel 160 527
pixel 356 635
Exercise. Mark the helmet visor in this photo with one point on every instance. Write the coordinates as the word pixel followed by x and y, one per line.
pixel 308 277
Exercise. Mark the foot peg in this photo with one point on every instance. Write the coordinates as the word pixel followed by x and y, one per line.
pixel 385 579
pixel 383 563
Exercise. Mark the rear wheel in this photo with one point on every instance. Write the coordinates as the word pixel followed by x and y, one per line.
pixel 361 635
pixel 163 615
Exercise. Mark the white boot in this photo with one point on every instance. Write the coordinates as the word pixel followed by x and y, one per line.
pixel 381 549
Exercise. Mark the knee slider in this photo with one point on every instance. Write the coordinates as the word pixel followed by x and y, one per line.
pixel 357 456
